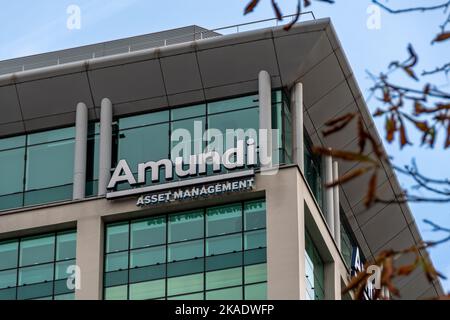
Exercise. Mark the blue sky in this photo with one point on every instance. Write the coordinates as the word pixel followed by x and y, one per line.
pixel 31 27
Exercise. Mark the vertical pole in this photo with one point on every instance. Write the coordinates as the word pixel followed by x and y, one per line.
pixel 265 116
pixel 79 170
pixel 297 110
pixel 329 194
pixel 336 207
pixel 104 171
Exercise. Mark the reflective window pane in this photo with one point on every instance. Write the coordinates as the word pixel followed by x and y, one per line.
pixel 188 112
pixel 225 294
pixel 37 274
pixel 8 254
pixel 144 120
pixel 224 244
pixel 186 226
pixel 148 232
pixel 117 237
pixel 8 278
pixel 62 269
pixel 223 278
pixel 66 245
pixel 148 256
pixel 185 250
pixel 37 250
pixel 116 261
pixel 148 290
pixel 12 143
pixel 185 284
pixel 49 165
pixel 51 135
pixel 233 104
pixel 116 293
pixel 255 273
pixel 255 215
pixel 255 239
pixel 223 220
pixel 256 291
pixel 12 171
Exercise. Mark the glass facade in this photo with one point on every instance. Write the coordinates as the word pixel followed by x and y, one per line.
pixel 134 134
pixel 347 241
pixel 36 267
pixel 314 271
pixel 212 253
pixel 314 171
pixel 36 168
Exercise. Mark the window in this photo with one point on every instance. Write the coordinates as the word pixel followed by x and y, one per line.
pixel 36 168
pixel 314 271
pixel 347 240
pixel 313 171
pixel 36 267
pixel 200 254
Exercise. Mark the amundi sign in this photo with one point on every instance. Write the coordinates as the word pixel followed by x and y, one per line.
pixel 243 155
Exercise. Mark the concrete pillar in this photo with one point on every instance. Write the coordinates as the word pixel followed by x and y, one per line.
pixel 265 116
pixel 297 130
pixel 329 214
pixel 332 279
pixel 285 234
pixel 104 172
pixel 79 168
pixel 336 207
pixel 90 258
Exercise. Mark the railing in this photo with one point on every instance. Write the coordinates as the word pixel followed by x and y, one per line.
pixel 132 47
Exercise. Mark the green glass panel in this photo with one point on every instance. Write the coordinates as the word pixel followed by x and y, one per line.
pixel 116 261
pixel 62 268
pixel 116 278
pixel 143 120
pixel 48 195
pixel 148 290
pixel 255 215
pixel 35 250
pixel 8 278
pixel 67 296
pixel 223 278
pixel 225 294
pixel 144 144
pixel 255 239
pixel 193 296
pixel 242 119
pixel 223 220
pixel 117 237
pixel 49 165
pixel 184 141
pixel 34 291
pixel 233 104
pixel 224 261
pixel 116 293
pixel 148 232
pixel 12 164
pixel 11 201
pixel 185 284
pixel 11 143
pixel 66 245
pixel 8 294
pixel 185 250
pixel 256 291
pixel 148 256
pixel 224 244
pixel 188 112
pixel 186 226
pixel 8 254
pixel 51 136
pixel 93 147
pixel 36 274
pixel 255 273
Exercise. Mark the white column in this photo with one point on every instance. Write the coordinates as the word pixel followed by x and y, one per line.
pixel 104 172
pixel 265 113
pixel 297 112
pixel 329 193
pixel 79 169
pixel 336 207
